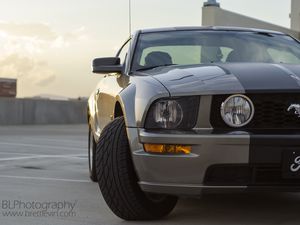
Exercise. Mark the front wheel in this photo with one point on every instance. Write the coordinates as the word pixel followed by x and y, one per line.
pixel 118 181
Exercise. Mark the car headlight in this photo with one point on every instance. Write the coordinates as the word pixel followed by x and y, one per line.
pixel 173 113
pixel 237 110
pixel 167 113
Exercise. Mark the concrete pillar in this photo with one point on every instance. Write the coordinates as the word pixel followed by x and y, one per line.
pixel 295 15
pixel 215 16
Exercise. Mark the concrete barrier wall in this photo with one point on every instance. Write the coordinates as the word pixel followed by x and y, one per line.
pixel 41 111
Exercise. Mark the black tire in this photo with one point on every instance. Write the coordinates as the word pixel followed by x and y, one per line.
pixel 92 157
pixel 118 181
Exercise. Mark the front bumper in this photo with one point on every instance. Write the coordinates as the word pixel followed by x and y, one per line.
pixel 224 161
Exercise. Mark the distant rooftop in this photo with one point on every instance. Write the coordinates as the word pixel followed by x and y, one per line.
pixel 8 87
pixel 2 79
pixel 211 3
pixel 51 97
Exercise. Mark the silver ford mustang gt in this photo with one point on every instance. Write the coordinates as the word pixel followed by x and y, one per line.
pixel 182 111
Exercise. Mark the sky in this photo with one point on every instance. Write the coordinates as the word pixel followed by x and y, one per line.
pixel 48 45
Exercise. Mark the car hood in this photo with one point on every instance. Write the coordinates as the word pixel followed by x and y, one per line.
pixel 228 78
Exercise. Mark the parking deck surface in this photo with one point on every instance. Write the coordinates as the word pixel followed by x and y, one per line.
pixel 44 181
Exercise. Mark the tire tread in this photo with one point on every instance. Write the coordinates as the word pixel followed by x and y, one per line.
pixel 118 181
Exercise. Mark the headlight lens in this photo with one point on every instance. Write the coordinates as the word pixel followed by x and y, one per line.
pixel 237 110
pixel 173 113
pixel 167 113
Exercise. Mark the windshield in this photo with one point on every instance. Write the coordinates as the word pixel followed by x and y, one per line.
pixel 201 47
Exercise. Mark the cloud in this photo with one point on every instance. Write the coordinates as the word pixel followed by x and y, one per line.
pixel 47 80
pixel 33 38
pixel 27 69
pixel 38 31
pixel 76 35
pixel 22 45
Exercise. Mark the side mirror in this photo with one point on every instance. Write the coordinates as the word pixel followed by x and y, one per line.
pixel 107 65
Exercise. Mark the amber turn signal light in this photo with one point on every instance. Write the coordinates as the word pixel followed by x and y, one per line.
pixel 171 149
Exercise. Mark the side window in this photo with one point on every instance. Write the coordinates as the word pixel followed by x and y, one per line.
pixel 179 54
pixel 282 56
pixel 122 54
pixel 211 54
pixel 188 54
pixel 225 52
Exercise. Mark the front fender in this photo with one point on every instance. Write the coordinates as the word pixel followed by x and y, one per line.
pixel 136 99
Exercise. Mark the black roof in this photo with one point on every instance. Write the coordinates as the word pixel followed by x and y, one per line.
pixel 208 28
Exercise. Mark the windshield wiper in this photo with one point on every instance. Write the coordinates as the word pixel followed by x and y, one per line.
pixel 265 34
pixel 153 67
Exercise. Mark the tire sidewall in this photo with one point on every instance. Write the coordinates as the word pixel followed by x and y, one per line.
pixel 92 169
pixel 118 180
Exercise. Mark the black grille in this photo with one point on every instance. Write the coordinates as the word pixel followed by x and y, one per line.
pixel 270 111
pixel 248 175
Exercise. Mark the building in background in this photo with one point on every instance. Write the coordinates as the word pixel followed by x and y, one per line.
pixel 8 87
pixel 214 15
pixel 295 15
